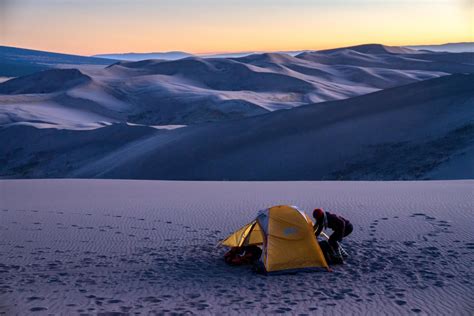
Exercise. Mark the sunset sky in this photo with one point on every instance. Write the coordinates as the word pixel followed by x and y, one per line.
pixel 207 26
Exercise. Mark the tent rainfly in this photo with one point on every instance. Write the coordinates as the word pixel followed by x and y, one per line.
pixel 286 236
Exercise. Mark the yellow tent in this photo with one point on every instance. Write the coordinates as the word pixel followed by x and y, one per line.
pixel 287 237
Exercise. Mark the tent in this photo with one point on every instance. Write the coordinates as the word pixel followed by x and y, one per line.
pixel 286 236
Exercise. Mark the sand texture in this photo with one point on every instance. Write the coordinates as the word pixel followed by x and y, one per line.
pixel 98 246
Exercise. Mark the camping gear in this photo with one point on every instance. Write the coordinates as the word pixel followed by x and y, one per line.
pixel 332 256
pixel 326 249
pixel 342 250
pixel 286 236
pixel 237 256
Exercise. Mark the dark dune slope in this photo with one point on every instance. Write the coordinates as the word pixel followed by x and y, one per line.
pixel 48 153
pixel 399 133
pixel 16 61
pixel 48 81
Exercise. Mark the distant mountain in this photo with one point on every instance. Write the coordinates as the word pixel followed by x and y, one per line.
pixel 366 48
pixel 466 47
pixel 179 55
pixel 16 62
pixel 144 56
pixel 371 49
pixel 228 55
pixel 389 57
pixel 243 54
pixel 406 132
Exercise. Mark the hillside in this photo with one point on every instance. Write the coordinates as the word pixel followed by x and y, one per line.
pixel 399 133
pixel 197 90
pixel 16 62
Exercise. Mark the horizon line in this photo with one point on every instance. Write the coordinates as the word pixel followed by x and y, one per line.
pixel 230 51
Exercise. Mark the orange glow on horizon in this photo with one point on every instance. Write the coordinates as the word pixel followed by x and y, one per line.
pixel 144 26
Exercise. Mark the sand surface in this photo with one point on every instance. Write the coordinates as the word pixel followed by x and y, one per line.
pixel 92 246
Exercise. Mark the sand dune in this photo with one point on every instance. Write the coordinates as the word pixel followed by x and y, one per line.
pixel 48 81
pixel 223 74
pixel 406 132
pixel 427 61
pixel 16 61
pixel 423 123
pixel 69 149
pixel 334 140
pixel 82 246
pixel 196 90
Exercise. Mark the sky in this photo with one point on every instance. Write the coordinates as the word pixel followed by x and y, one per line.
pixel 90 27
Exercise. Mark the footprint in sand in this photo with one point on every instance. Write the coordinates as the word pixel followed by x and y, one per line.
pixel 400 302
pixel 126 309
pixel 469 245
pixel 114 301
pixel 34 298
pixel 152 299
pixel 373 228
